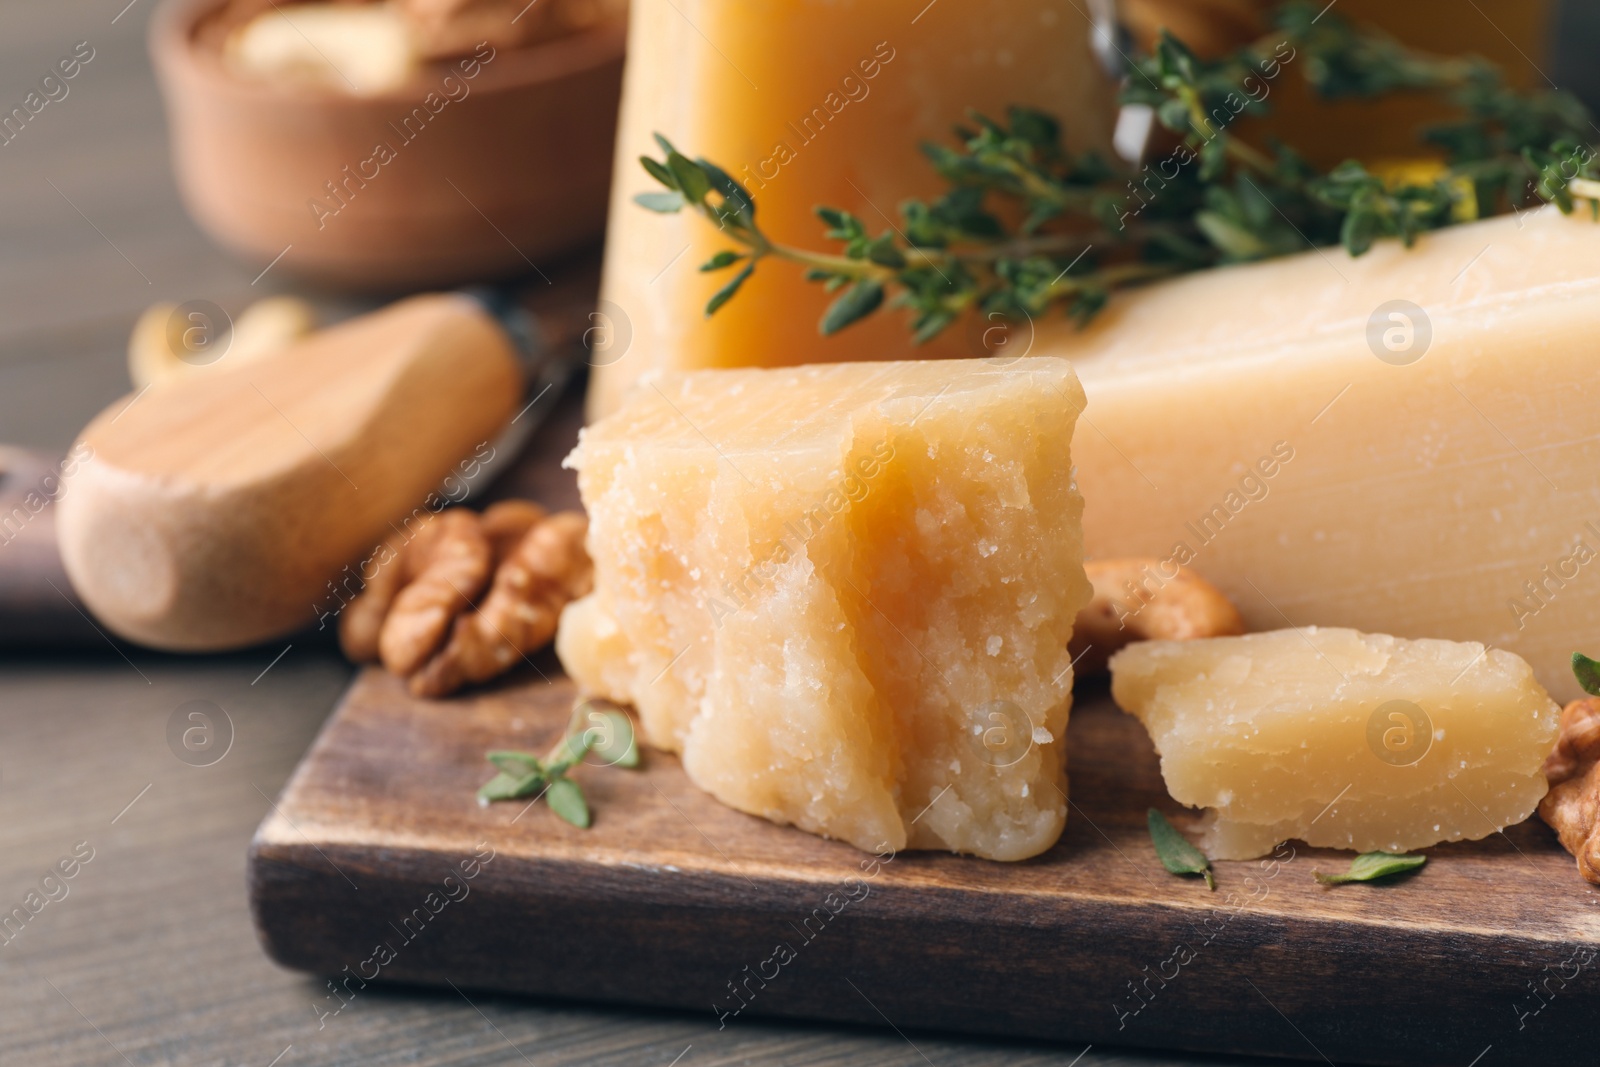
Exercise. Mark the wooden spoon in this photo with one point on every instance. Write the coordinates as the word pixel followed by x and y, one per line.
pixel 219 510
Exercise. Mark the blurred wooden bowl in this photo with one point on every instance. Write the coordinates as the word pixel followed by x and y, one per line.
pixel 510 174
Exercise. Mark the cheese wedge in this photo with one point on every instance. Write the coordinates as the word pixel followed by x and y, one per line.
pixel 1340 739
pixel 811 102
pixel 1408 442
pixel 844 593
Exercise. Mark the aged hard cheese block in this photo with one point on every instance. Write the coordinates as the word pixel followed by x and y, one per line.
pixel 1341 739
pixel 845 592
pixel 1254 423
pixel 811 102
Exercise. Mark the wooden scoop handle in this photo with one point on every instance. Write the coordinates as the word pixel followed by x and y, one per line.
pixel 222 509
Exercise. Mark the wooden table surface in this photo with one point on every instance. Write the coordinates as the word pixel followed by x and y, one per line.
pixel 149 958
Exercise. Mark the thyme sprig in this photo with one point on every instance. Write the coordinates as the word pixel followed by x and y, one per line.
pixel 1087 228
pixel 597 727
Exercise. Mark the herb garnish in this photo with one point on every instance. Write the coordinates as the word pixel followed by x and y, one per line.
pixel 1177 855
pixel 1373 865
pixel 1227 201
pixel 599 727
pixel 1587 671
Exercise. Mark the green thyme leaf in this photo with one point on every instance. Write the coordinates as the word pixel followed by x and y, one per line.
pixel 661 203
pixel 929 326
pixel 567 754
pixel 659 172
pixel 516 764
pixel 608 732
pixel 505 786
pixel 859 301
pixel 565 798
pixel 692 181
pixel 736 195
pixel 1176 853
pixel 1373 865
pixel 835 219
pixel 1587 672
pixel 723 259
pixel 725 294
pixel 884 253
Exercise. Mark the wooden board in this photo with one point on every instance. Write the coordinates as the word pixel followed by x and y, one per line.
pixel 672 899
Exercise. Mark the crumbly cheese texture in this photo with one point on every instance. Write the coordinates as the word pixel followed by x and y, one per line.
pixel 844 592
pixel 1341 739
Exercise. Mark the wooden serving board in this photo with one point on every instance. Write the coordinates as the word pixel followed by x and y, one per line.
pixel 672 899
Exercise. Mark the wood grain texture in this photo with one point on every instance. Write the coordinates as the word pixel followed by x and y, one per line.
pixel 670 897
pixel 216 509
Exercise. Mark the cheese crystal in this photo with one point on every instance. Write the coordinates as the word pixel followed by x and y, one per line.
pixel 1341 739
pixel 844 593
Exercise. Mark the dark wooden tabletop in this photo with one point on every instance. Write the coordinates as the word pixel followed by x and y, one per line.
pixel 146 956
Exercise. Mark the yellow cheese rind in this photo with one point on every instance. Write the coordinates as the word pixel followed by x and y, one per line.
pixel 812 102
pixel 1341 739
pixel 844 593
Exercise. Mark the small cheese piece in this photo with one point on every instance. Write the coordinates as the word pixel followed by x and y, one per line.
pixel 813 102
pixel 1341 739
pixel 361 49
pixel 1406 442
pixel 844 593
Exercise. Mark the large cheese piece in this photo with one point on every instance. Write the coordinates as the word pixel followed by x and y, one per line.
pixel 810 102
pixel 1341 739
pixel 1328 455
pixel 844 593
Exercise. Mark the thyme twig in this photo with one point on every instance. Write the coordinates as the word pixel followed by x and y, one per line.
pixel 1088 229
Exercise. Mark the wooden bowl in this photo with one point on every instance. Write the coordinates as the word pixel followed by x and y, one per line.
pixel 510 171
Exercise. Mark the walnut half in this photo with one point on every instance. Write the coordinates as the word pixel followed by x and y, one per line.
pixel 420 613
pixel 1573 769
pixel 1146 600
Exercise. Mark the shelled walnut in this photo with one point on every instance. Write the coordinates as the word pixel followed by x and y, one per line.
pixel 416 613
pixel 1137 600
pixel 1573 803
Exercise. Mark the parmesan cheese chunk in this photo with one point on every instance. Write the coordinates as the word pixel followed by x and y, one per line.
pixel 1403 443
pixel 1341 739
pixel 844 593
